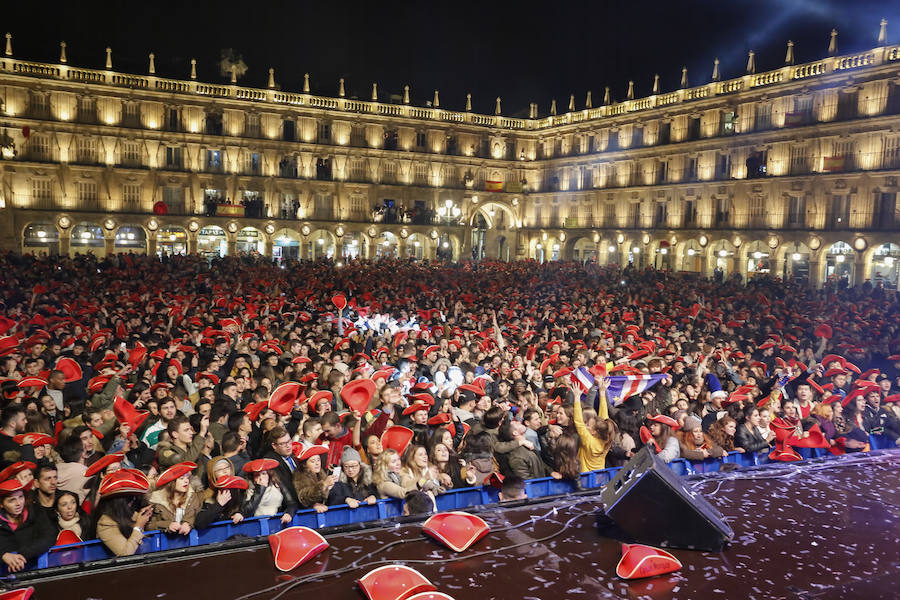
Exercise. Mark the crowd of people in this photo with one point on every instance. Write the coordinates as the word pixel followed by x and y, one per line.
pixel 141 393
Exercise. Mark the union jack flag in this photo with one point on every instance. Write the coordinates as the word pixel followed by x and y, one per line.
pixel 622 387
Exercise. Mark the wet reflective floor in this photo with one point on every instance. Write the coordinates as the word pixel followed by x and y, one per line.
pixel 814 530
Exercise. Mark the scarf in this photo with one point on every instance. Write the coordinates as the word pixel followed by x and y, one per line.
pixel 73 524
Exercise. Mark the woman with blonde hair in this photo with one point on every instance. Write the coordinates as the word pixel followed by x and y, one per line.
pixel 175 502
pixel 389 477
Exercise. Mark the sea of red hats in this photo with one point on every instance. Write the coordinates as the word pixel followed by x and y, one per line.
pixel 221 389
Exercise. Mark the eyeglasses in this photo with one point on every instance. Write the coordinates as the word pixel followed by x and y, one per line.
pixel 282 444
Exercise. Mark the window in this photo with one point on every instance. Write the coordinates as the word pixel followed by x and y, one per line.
pixel 839 213
pixel 288 130
pixel 358 206
pixel 87 110
pixel 39 147
pixel 757 211
pixel 324 133
pixel 799 161
pixel 634 214
pixel 694 128
pixel 538 214
pixel 723 206
pixel 172 119
pixel 763 116
pixel 173 196
pixel 173 157
pixel 421 174
pixel 554 214
pixel 86 150
pixel 214 124
pixel 691 170
pixel 723 166
pixel 665 132
pixel 323 207
pixel 131 154
pixel 358 135
pixel 389 172
pixel 421 139
pixel 729 122
pixel 251 163
pixel 690 212
pixel 586 215
pixel 131 197
pixel 38 105
pixel 609 214
pixel 131 114
pixel 797 211
pixel 251 125
pixel 662 214
pixel 87 194
pixel 41 192
pixel 214 161
pixel 358 170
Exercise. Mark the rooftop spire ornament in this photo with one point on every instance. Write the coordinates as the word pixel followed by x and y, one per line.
pixel 553 107
pixel 684 79
pixel 630 94
pixel 405 94
pixel 716 76
pixel 62 53
pixel 832 43
pixel 233 73
pixel 606 96
pixel 436 102
pixel 587 101
pixel 8 44
pixel 152 69
pixel 882 33
pixel 497 108
pixel 306 83
pixel 789 57
pixel 656 83
pixel 341 92
pixel 271 78
pixel 751 63
pixel 108 57
pixel 374 92
pixel 571 102
pixel 193 68
pixel 468 102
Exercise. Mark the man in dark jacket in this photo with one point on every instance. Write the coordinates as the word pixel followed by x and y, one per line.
pixel 281 450
pixel 877 420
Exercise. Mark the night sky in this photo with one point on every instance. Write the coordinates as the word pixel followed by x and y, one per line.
pixel 524 52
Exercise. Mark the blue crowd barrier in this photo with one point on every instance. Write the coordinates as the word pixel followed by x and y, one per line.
pixel 341 515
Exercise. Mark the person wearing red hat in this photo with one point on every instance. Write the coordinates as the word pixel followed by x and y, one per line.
pixel 123 511
pixel 311 481
pixel 230 492
pixel 662 428
pixel 24 534
pixel 175 501
pixel 266 497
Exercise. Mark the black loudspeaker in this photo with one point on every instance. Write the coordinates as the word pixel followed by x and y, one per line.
pixel 649 503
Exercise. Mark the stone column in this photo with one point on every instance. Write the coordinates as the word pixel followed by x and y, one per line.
pixel 232 244
pixel 65 243
pixel 151 244
pixel 109 243
pixel 191 242
pixel 859 268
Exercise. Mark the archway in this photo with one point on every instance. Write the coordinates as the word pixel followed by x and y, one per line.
pixel 796 261
pixel 250 241
pixel 131 238
pixel 87 237
pixel 723 257
pixel 417 246
pixel 352 245
pixel 584 249
pixel 40 238
pixel 690 256
pixel 322 244
pixel 546 248
pixel 758 258
pixel 662 255
pixel 886 266
pixel 286 245
pixel 839 264
pixel 173 240
pixel 211 241
pixel 496 215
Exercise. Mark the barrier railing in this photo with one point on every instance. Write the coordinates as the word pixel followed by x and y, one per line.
pixel 341 514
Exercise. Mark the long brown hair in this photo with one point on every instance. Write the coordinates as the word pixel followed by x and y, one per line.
pixel 718 435
pixel 565 456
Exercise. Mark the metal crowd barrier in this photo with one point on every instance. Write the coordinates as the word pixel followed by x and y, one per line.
pixel 341 514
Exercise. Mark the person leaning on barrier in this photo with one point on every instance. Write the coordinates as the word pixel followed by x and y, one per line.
pixel 122 512
pixel 24 534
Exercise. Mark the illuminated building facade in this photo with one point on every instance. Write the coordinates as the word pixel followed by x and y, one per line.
pixel 792 172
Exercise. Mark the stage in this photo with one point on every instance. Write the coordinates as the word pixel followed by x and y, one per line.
pixel 822 529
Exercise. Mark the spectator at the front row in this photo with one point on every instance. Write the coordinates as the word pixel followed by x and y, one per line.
pixel 24 534
pixel 123 511
pixel 696 445
pixel 354 485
